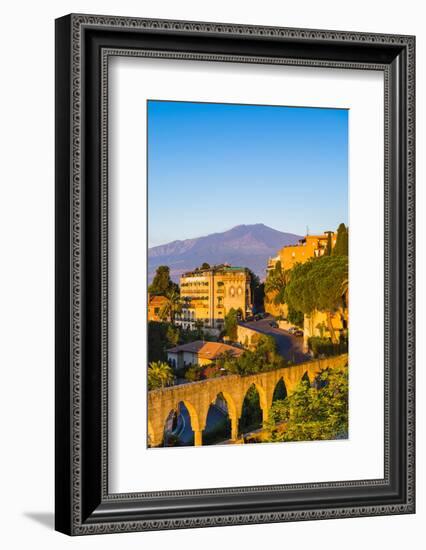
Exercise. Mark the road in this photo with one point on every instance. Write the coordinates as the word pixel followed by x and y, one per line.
pixel 290 347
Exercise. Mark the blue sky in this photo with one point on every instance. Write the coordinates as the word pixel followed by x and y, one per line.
pixel 213 166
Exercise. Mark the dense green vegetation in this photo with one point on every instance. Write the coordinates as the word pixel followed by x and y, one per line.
pixel 230 324
pixel 163 335
pixel 318 284
pixel 158 341
pixel 251 417
pixel 162 284
pixel 257 291
pixel 264 358
pixel 295 317
pixel 193 373
pixel 160 375
pixel 312 412
pixel 172 306
pixel 324 346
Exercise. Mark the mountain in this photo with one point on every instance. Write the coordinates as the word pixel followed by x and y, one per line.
pixel 243 245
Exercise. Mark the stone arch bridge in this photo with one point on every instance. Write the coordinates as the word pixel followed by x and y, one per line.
pixel 198 396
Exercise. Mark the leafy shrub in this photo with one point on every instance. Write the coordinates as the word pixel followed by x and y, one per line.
pixel 324 346
pixel 194 373
pixel 312 413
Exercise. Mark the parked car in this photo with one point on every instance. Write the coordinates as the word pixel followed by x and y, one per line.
pixel 291 330
pixel 298 332
pixel 258 317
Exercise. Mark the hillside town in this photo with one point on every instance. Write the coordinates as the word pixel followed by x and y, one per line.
pixel 223 320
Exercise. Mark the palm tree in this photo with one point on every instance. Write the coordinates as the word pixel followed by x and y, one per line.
pixel 172 305
pixel 160 375
pixel 276 283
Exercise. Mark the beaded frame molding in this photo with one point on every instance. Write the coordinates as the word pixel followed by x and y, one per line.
pixel 84 44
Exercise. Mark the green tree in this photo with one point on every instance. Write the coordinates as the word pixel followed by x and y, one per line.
pixel 251 414
pixel 299 292
pixel 342 241
pixel 173 335
pixel 227 361
pixel 329 249
pixel 157 341
pixel 295 317
pixel 160 375
pixel 264 358
pixel 205 265
pixel 231 323
pixel 161 284
pixel 194 373
pixel 172 305
pixel 275 283
pixel 312 413
pixel 257 291
pixel 317 285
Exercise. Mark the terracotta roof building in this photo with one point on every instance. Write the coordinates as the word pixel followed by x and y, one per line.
pixel 199 353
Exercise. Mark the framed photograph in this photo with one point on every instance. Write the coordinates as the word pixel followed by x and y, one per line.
pixel 234 274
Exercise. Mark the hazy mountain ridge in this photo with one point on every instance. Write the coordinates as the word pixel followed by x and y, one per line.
pixel 243 245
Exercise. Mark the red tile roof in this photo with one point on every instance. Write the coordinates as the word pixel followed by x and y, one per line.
pixel 206 350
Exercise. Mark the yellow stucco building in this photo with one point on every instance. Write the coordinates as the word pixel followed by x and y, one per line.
pixel 316 324
pixel 311 246
pixel 209 294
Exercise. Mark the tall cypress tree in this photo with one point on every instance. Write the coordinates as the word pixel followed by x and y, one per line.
pixel 329 248
pixel 342 241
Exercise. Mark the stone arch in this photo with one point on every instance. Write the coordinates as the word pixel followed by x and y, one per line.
pixel 263 398
pixel 233 413
pixel 193 415
pixel 263 404
pixel 225 424
pixel 232 408
pixel 306 378
pixel 280 390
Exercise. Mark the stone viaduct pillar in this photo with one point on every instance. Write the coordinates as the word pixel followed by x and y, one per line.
pixel 234 428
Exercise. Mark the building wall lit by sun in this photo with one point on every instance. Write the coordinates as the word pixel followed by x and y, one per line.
pixel 209 294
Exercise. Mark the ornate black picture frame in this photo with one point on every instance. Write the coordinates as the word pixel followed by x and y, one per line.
pixel 83 45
